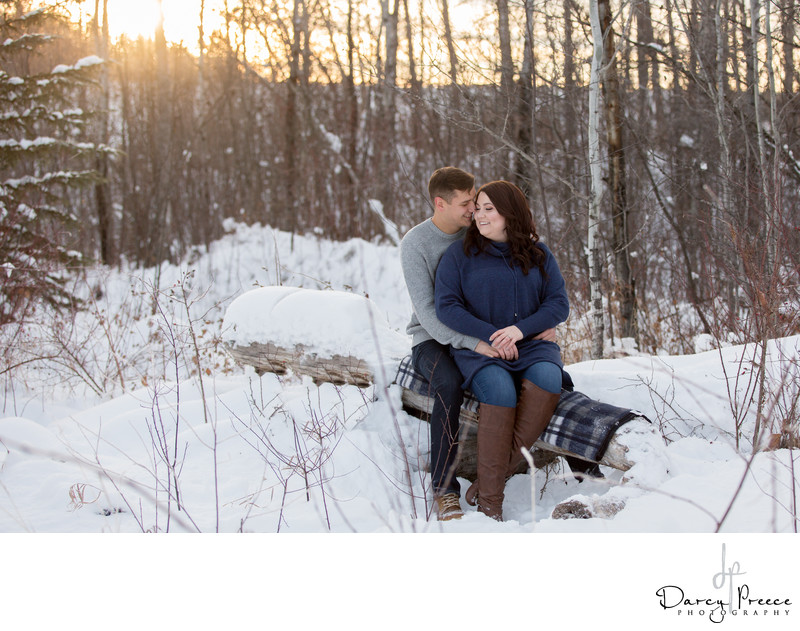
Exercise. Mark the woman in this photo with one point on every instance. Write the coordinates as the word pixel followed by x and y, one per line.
pixel 504 286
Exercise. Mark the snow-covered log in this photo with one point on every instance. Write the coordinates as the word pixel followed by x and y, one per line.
pixel 331 336
pixel 342 338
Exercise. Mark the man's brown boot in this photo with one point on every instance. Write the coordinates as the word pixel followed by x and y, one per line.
pixel 448 507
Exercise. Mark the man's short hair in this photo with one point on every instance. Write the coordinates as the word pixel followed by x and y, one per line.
pixel 446 181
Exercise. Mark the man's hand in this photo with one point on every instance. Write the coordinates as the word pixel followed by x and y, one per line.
pixel 484 349
pixel 548 336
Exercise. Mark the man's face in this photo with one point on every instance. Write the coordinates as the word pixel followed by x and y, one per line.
pixel 457 213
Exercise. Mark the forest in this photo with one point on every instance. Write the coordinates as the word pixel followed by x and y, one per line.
pixel 657 143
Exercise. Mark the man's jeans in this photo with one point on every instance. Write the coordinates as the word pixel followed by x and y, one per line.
pixel 432 360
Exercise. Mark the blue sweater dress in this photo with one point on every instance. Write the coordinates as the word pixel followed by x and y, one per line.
pixel 477 295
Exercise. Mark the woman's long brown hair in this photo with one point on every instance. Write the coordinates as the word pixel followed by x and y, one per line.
pixel 510 202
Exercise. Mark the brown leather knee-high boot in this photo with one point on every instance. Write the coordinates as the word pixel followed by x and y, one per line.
pixel 495 434
pixel 535 408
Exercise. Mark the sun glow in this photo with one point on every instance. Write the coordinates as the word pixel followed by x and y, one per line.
pixel 133 19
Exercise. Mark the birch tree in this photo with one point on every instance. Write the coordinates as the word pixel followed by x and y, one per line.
pixel 386 136
pixel 595 199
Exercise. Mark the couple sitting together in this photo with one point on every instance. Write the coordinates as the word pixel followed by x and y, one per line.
pixel 486 296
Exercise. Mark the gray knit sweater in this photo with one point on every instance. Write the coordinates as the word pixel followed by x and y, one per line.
pixel 420 251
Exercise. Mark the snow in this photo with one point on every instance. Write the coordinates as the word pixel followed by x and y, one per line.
pixel 91 60
pixel 85 62
pixel 269 453
pixel 329 323
pixel 25 144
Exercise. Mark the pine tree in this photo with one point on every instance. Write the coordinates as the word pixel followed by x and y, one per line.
pixel 41 155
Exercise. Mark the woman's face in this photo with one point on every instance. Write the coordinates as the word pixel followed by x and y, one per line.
pixel 491 224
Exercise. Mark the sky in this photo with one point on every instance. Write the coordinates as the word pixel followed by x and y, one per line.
pixel 180 18
pixel 139 17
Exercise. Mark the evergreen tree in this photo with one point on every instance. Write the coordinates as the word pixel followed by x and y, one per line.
pixel 41 158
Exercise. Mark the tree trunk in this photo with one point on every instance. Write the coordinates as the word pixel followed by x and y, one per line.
pixel 159 228
pixel 506 61
pixel 773 201
pixel 620 212
pixel 416 96
pixel 451 48
pixel 201 46
pixel 351 192
pixel 648 73
pixel 593 237
pixel 453 57
pixel 725 200
pixel 102 189
pixel 388 121
pixel 522 168
pixel 291 173
pixel 788 28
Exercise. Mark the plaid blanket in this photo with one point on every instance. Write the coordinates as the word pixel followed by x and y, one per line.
pixel 579 425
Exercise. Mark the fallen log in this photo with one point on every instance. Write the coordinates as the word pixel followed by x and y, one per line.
pixel 332 336
pixel 337 369
pixel 342 370
pixel 342 338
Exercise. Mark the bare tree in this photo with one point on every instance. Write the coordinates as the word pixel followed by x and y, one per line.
pixel 291 117
pixel 101 188
pixel 506 61
pixel 789 16
pixel 620 211
pixel 452 56
pixel 201 45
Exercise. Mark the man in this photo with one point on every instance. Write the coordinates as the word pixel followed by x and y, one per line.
pixel 452 193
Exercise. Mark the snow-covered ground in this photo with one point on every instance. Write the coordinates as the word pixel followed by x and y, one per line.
pixel 159 432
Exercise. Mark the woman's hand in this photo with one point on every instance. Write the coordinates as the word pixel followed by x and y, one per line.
pixel 506 339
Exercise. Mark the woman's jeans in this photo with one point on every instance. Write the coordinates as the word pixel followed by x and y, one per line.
pixel 433 361
pixel 494 385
